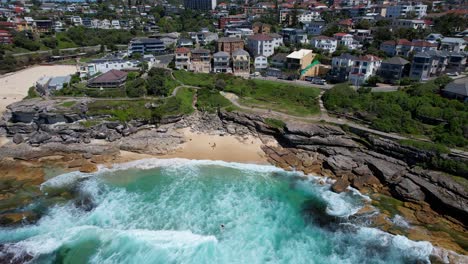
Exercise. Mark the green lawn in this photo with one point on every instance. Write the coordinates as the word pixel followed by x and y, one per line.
pixel 211 100
pixel 126 110
pixel 290 99
pixel 279 96
pixel 195 79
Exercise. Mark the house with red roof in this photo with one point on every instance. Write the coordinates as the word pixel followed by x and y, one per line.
pixel 263 44
pixel 110 79
pixel 363 68
pixel 182 58
pixel 347 40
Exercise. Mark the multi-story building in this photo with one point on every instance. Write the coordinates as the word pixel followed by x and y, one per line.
pixel 406 10
pixel 341 67
pixel 262 44
pixel 393 69
pixel 362 35
pixel 294 35
pixel 260 62
pixel 303 62
pixel 200 4
pixel 324 43
pixel 307 17
pixel 315 27
pixel 404 47
pixel 409 23
pixel 428 64
pixel 453 44
pixel 241 63
pixel 279 60
pixel 200 60
pixel 204 37
pixel 229 44
pixel 182 58
pixel 364 67
pixel 146 45
pixel 221 62
pixel 347 40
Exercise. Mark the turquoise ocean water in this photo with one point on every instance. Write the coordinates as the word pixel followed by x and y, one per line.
pixel 187 211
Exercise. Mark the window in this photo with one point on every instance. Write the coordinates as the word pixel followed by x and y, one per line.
pixel 364 64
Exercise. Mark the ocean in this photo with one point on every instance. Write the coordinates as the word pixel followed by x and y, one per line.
pixel 195 211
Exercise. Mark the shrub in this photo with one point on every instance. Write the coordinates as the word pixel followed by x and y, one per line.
pixel 275 123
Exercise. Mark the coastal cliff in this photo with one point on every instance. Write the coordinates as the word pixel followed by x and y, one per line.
pixel 357 159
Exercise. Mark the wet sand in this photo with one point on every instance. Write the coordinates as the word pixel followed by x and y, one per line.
pixel 14 86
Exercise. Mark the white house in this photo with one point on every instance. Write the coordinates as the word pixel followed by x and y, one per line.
pixel 453 44
pixel 76 20
pixel 103 66
pixel 409 23
pixel 260 63
pixel 262 44
pixel 309 16
pixel 324 43
pixel 347 40
pixel 364 67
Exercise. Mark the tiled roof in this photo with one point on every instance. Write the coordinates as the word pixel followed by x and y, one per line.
pixel 240 52
pixel 397 42
pixel 341 34
pixel 198 51
pixel 182 50
pixel 369 58
pixel 421 43
pixel 229 39
pixel 110 76
pixel 396 60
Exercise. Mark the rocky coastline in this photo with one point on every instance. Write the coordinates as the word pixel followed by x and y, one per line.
pixel 383 169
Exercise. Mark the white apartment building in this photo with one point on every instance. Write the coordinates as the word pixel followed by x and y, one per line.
pixel 103 66
pixel 402 10
pixel 347 40
pixel 324 43
pixel 364 67
pixel 262 44
pixel 309 16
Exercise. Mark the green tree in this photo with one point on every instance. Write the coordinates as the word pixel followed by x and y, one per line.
pixel 136 88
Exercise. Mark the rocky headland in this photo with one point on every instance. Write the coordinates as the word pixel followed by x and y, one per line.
pixel 433 203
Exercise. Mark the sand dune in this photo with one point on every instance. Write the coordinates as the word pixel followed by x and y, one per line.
pixel 14 86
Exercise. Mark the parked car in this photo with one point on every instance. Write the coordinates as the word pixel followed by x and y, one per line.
pixel 452 74
pixel 308 78
pixel 318 81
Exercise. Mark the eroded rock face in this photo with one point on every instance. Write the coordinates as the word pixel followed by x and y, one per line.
pixel 381 163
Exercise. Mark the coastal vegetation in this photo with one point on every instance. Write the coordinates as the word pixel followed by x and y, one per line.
pixel 288 98
pixel 416 110
pixel 211 100
pixel 143 109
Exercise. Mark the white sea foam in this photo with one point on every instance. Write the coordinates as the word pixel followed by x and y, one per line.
pixel 158 239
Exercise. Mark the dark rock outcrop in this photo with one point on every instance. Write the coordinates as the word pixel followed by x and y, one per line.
pixel 378 163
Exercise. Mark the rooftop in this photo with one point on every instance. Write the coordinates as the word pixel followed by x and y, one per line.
pixel 459 86
pixel 396 60
pixel 260 37
pixel 110 76
pixel 299 54
pixel 229 39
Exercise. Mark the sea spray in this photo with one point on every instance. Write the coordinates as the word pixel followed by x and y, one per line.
pixel 190 211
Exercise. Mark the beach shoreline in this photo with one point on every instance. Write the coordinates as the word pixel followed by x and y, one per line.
pixel 14 86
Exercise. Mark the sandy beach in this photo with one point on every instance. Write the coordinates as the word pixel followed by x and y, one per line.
pixel 211 147
pixel 14 86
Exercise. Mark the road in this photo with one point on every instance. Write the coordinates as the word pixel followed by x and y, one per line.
pixel 383 88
